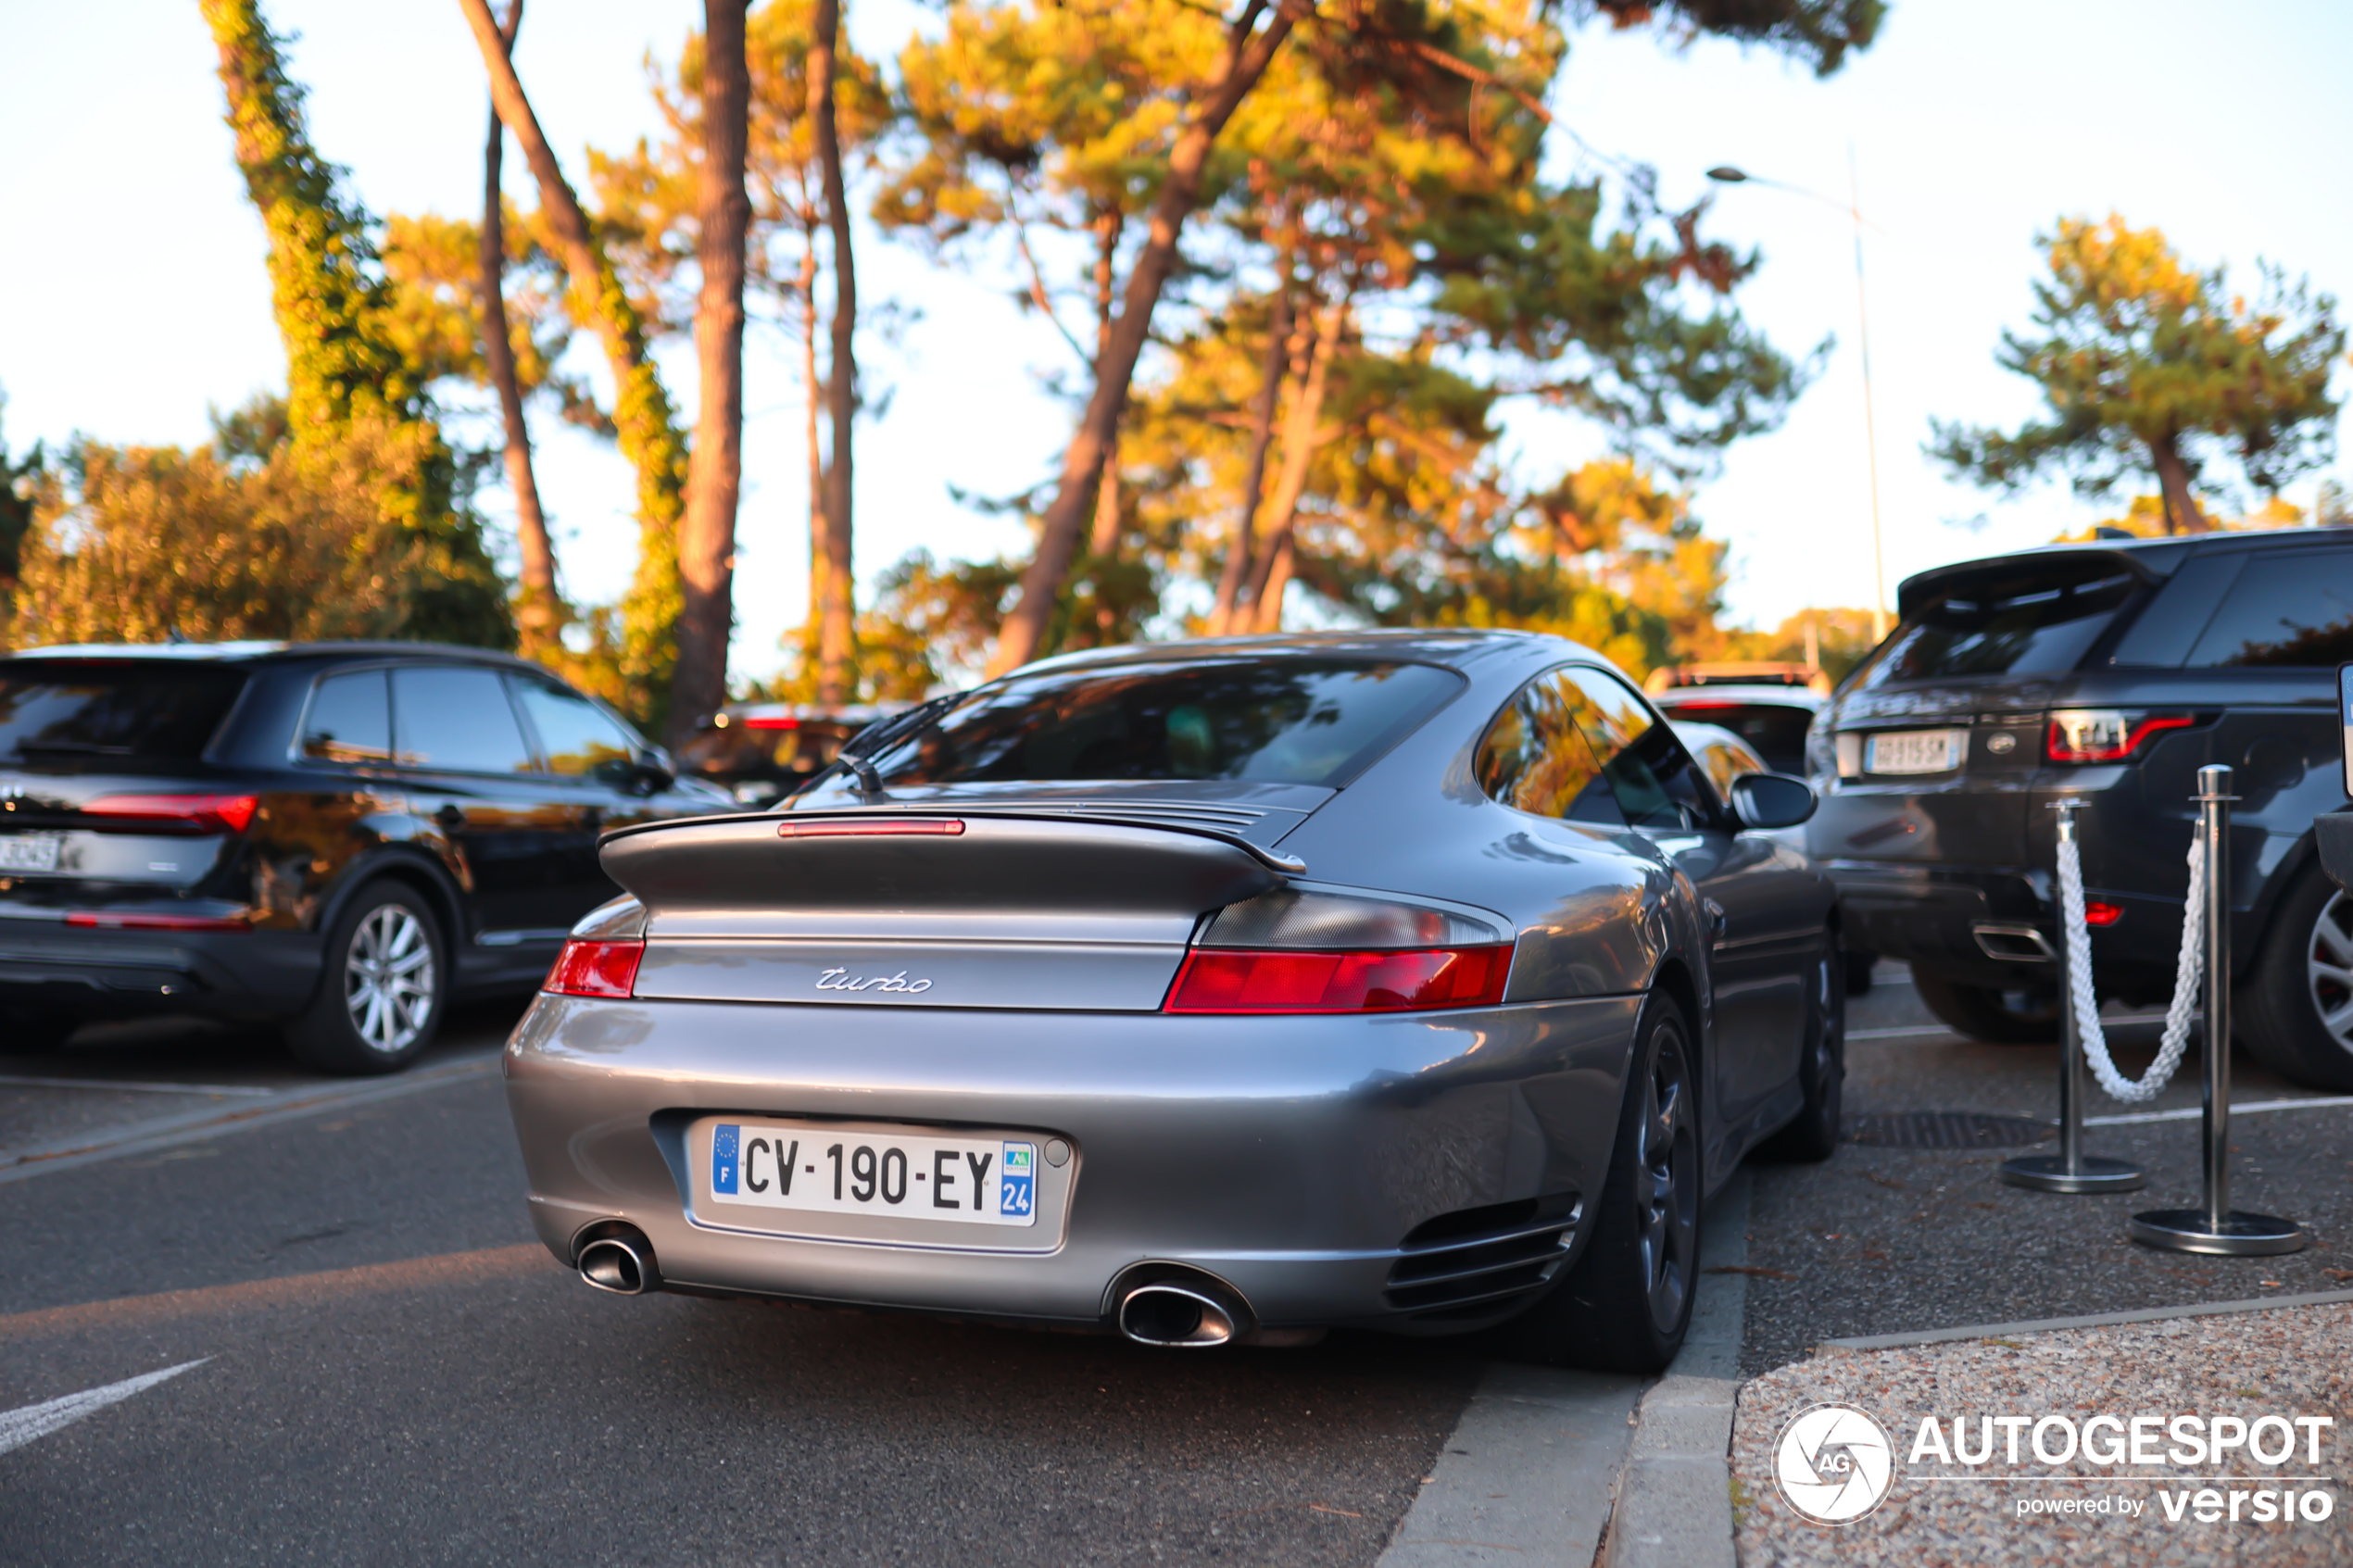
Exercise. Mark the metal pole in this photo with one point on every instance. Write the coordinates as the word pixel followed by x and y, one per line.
pixel 2072 1169
pixel 2216 1227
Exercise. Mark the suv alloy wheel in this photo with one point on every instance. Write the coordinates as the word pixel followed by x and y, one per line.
pixel 2297 1016
pixel 385 989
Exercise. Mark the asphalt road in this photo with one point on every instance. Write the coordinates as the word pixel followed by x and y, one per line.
pixel 391 1368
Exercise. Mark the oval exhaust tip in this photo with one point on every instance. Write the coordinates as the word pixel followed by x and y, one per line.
pixel 609 1263
pixel 1169 1315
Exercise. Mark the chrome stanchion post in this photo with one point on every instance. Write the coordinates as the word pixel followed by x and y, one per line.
pixel 2216 1227
pixel 2070 1170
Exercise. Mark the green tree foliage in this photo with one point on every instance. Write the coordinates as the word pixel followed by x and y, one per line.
pixel 2149 365
pixel 135 544
pixel 348 381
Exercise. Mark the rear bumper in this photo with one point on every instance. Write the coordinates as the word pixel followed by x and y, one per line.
pixel 1950 920
pixel 1290 1157
pixel 229 973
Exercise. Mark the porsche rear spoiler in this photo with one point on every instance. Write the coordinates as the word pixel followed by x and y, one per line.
pixel 970 867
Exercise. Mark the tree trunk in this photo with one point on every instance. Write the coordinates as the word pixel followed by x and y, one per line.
pixel 1300 438
pixel 814 390
pixel 642 414
pixel 1247 53
pixel 542 612
pixel 714 481
pixel 1103 543
pixel 1239 559
pixel 2181 513
pixel 835 677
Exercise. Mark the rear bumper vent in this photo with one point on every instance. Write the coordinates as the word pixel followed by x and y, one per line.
pixel 1474 1263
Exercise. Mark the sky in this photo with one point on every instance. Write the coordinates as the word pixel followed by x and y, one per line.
pixel 133 296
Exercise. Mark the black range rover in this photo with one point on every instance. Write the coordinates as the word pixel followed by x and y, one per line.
pixel 339 837
pixel 2112 671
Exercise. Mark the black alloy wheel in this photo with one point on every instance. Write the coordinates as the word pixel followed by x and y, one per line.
pixel 1812 1135
pixel 1627 1304
pixel 2296 1016
pixel 386 986
pixel 1998 1016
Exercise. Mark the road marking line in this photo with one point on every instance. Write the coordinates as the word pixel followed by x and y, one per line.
pixel 144 1088
pixel 18 1428
pixel 16 1165
pixel 2193 1112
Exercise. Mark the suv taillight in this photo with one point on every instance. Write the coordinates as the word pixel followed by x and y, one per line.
pixel 2104 734
pixel 204 813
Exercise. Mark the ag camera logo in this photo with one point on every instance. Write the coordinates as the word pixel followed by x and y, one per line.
pixel 1834 1464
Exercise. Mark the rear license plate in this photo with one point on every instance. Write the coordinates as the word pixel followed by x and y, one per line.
pixel 908 1175
pixel 30 851
pixel 1915 751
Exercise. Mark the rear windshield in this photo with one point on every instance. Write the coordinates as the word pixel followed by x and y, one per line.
pixel 146 709
pixel 1775 732
pixel 2038 624
pixel 1291 720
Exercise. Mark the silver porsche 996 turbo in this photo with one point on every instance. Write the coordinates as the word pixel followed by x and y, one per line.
pixel 1207 993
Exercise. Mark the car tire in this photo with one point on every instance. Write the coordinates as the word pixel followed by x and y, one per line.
pixel 379 1002
pixel 1624 1306
pixel 1996 1017
pixel 2301 979
pixel 1812 1135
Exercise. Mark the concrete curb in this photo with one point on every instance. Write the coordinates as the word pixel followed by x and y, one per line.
pixel 1542 1457
pixel 1675 1495
pixel 2096 1320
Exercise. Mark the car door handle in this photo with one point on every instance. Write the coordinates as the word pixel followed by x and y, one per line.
pixel 1716 921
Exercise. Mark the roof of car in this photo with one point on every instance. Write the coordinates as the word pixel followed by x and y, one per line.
pixel 1727 695
pixel 1453 647
pixel 257 651
pixel 2151 559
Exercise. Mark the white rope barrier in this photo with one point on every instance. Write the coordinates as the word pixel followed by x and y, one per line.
pixel 2079 976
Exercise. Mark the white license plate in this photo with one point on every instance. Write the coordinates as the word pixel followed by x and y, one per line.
pixel 1915 751
pixel 30 851
pixel 909 1176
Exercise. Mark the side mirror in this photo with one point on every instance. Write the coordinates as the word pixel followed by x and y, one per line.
pixel 1764 801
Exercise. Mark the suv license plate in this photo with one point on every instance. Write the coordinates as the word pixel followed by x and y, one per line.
pixel 30 851
pixel 978 1180
pixel 1915 751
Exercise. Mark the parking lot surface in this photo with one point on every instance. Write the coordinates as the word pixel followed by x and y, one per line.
pixel 390 1369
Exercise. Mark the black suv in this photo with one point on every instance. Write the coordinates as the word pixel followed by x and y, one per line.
pixel 2110 672
pixel 342 837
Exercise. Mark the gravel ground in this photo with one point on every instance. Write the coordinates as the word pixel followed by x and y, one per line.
pixel 1890 1241
pixel 2286 1363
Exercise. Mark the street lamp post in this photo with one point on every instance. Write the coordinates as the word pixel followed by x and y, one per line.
pixel 1726 174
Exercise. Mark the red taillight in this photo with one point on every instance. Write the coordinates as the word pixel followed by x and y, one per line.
pixel 2098 911
pixel 1674 707
pixel 838 827
pixel 596 969
pixel 772 724
pixel 207 813
pixel 1224 980
pixel 111 920
pixel 2100 735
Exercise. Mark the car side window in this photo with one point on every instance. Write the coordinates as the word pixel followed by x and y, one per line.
pixel 350 719
pixel 452 719
pixel 1655 779
pixel 576 739
pixel 2291 609
pixel 1536 755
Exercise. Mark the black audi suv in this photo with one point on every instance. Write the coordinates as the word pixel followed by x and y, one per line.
pixel 339 838
pixel 2110 672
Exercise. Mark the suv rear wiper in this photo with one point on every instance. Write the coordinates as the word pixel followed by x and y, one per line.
pixel 852 757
